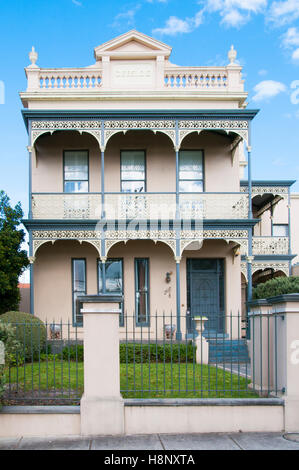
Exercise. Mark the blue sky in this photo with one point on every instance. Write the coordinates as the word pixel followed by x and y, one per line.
pixel 64 33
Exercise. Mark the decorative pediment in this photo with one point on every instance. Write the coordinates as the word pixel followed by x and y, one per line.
pixel 132 44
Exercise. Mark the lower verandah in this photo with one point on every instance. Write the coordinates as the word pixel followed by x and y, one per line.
pixel 145 272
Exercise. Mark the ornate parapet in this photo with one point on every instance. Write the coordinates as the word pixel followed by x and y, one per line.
pixel 270 245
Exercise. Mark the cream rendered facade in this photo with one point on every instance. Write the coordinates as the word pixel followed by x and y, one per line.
pixel 133 99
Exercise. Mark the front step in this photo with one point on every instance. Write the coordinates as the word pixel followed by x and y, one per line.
pixel 212 335
pixel 228 351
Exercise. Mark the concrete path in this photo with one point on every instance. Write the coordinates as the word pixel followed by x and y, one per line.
pixel 169 442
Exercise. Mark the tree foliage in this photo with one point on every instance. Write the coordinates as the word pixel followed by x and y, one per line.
pixel 276 286
pixel 13 260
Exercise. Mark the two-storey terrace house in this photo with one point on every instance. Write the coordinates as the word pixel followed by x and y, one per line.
pixel 136 187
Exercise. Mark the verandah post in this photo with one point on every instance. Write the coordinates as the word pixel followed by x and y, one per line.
pixel 102 407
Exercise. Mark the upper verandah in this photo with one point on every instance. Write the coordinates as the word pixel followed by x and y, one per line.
pixel 134 68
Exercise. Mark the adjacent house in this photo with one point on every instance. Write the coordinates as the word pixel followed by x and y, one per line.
pixel 140 183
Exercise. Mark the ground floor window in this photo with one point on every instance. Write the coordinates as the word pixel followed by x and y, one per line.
pixel 110 279
pixel 78 287
pixel 142 291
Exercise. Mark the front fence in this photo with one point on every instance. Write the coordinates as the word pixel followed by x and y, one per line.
pixel 47 366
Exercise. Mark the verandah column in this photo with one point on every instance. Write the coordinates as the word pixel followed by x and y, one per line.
pixel 102 146
pixel 102 407
pixel 31 261
pixel 178 235
pixel 250 256
pixel 178 298
pixel 30 216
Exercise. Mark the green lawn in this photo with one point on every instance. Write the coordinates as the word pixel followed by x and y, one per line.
pixel 156 382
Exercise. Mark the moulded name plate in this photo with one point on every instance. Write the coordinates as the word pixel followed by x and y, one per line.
pixel 129 75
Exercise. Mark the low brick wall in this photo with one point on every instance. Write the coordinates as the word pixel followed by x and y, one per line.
pixel 153 416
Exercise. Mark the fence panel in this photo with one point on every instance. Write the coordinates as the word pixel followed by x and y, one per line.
pixel 47 367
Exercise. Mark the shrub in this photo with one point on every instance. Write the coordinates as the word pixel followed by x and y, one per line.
pixel 30 331
pixel 73 352
pixel 156 353
pixel 276 286
pixel 142 353
pixel 12 351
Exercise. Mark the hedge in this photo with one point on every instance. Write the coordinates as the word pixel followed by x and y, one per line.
pixel 276 286
pixel 142 353
pixel 30 331
pixel 157 353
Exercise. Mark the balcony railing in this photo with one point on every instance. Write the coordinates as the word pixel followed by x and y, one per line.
pixel 70 79
pixel 123 206
pixel 201 78
pixel 91 79
pixel 270 245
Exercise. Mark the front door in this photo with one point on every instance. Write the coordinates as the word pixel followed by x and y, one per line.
pixel 205 288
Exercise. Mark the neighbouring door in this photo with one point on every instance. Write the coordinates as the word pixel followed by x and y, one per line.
pixel 205 290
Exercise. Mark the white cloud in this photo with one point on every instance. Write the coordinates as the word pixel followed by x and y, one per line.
pixel 127 17
pixel 295 55
pixel 291 38
pixel 263 72
pixel 234 18
pixel 283 12
pixel 77 3
pixel 254 6
pixel 175 25
pixel 268 89
pixel 235 13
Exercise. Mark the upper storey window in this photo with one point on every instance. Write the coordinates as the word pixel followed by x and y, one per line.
pixel 280 230
pixel 132 171
pixel 76 171
pixel 191 171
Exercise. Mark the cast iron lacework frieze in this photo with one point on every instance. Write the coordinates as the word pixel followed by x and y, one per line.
pixel 262 266
pixel 166 126
pixel 261 190
pixel 115 236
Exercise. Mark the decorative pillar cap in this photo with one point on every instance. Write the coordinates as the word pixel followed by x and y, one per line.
pixel 33 56
pixel 232 54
